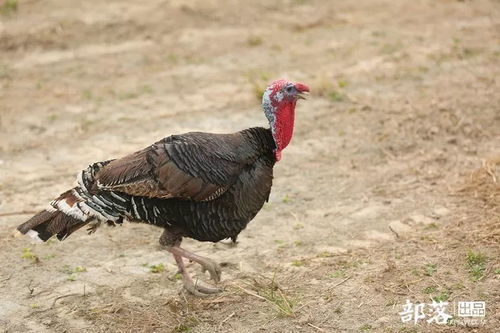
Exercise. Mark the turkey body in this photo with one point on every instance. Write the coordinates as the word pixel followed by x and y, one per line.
pixel 241 197
pixel 199 185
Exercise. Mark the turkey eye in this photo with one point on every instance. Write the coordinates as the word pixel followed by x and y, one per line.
pixel 289 89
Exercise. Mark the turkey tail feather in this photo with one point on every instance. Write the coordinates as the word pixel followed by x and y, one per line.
pixel 46 224
pixel 77 207
pixel 56 221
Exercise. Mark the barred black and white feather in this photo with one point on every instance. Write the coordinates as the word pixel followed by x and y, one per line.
pixel 76 208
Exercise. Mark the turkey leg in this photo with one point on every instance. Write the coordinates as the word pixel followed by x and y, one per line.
pixel 172 242
pixel 194 288
pixel 208 264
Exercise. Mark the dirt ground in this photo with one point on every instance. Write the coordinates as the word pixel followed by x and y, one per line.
pixel 388 192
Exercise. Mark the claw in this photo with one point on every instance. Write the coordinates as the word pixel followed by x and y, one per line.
pixel 213 269
pixel 207 265
pixel 198 289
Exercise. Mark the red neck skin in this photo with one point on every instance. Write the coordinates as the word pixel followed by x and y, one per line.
pixel 283 127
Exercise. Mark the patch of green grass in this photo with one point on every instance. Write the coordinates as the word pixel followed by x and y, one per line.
pixel 431 226
pixel 49 256
pixel 71 277
pixel 172 58
pixel 297 263
pixel 27 254
pixel 128 95
pixel 442 297
pixel 286 199
pixel 254 41
pixel 390 48
pixel 298 226
pixel 458 286
pixel 340 273
pixel 87 94
pixel 187 325
pixel 391 302
pixel 325 254
pixel 469 53
pixel 298 243
pixel 365 328
pixel 476 262
pixel 52 117
pixel 350 264
pixel 408 330
pixel 430 289
pixel 8 7
pixel 497 271
pixel 430 269
pixel 336 96
pixel 342 83
pixel 5 72
pixel 157 268
pixel 70 270
pixel 147 89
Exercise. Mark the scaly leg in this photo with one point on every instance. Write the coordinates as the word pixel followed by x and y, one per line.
pixel 208 264
pixel 194 288
pixel 172 241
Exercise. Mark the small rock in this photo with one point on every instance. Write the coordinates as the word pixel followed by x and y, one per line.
pixel 434 130
pixel 421 219
pixel 384 319
pixel 399 228
pixel 440 211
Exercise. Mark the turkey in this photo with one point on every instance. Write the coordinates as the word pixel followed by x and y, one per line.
pixel 199 185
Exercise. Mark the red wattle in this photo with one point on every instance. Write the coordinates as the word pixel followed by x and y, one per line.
pixel 283 127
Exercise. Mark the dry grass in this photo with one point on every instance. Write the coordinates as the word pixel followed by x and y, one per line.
pixel 272 292
pixel 484 185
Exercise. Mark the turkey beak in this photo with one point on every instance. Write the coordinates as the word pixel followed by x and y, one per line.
pixel 302 89
pixel 303 95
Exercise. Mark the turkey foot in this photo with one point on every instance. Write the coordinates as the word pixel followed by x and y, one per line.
pixel 208 264
pixel 196 288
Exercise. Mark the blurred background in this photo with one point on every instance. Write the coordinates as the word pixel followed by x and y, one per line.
pixel 388 191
